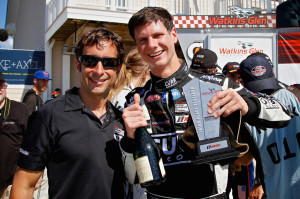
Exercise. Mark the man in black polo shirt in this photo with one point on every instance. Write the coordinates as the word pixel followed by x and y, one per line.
pixel 13 122
pixel 76 136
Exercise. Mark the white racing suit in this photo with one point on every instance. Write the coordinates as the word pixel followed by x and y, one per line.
pixel 167 113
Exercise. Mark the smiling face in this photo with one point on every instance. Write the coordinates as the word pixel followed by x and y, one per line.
pixel 96 81
pixel 157 47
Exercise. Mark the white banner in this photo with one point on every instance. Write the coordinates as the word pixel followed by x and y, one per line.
pixel 236 49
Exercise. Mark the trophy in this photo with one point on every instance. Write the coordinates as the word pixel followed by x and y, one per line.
pixel 214 145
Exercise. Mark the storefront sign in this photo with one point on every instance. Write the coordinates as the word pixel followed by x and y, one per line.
pixel 19 66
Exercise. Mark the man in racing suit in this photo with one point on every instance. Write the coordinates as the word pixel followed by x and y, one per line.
pixel 161 106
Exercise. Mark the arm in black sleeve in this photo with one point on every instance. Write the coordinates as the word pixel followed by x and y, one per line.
pixel 264 111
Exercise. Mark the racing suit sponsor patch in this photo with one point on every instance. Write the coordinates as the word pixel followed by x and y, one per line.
pixel 181 107
pixel 181 119
pixel 119 133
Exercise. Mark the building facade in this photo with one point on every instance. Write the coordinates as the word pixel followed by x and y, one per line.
pixel 54 26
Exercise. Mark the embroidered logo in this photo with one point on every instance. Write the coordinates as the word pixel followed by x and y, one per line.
pixel 170 82
pixel 24 152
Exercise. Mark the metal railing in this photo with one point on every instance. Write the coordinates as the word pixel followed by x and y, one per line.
pixel 175 7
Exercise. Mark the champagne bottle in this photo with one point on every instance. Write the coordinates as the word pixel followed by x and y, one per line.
pixel 148 162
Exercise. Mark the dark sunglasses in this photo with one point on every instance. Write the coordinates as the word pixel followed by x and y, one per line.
pixel 92 61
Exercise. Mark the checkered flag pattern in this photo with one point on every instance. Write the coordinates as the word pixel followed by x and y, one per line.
pixel 191 22
pixel 271 21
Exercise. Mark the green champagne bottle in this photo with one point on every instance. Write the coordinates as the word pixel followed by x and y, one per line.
pixel 148 162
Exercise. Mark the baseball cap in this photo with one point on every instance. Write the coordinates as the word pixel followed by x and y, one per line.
pixel 204 58
pixel 263 55
pixel 41 74
pixel 257 74
pixel 2 77
pixel 231 67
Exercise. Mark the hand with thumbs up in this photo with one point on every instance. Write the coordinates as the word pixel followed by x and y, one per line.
pixel 134 117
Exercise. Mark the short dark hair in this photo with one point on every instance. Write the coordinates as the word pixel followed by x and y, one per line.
pixel 148 15
pixel 95 36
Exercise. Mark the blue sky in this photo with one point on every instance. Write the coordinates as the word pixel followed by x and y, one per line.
pixel 3 7
pixel 8 44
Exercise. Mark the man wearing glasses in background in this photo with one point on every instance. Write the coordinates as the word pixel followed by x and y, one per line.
pixel 13 122
pixel 76 136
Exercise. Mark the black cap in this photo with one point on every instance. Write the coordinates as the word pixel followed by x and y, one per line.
pixel 263 55
pixel 2 78
pixel 204 58
pixel 231 67
pixel 257 74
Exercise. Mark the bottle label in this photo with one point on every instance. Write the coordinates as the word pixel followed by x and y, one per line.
pixel 162 168
pixel 143 169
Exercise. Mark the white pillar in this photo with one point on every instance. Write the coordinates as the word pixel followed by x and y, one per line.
pixel 186 7
pixel 66 73
pixel 113 5
pixel 151 3
pixel 269 7
pixel 48 67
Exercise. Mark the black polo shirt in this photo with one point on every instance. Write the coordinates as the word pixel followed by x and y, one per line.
pixel 11 133
pixel 81 154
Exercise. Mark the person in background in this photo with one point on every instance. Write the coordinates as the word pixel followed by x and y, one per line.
pixel 32 98
pixel 56 93
pixel 76 136
pixel 134 73
pixel 164 110
pixel 231 70
pixel 241 176
pixel 279 148
pixel 205 60
pixel 294 88
pixel 34 101
pixel 13 123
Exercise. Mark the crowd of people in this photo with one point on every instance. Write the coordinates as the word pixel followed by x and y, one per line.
pixel 80 144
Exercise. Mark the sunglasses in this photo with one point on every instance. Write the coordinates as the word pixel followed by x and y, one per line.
pixel 92 61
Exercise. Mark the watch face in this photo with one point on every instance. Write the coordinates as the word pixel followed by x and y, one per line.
pixel 257 181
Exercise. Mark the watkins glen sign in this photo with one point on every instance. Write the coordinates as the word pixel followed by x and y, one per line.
pixel 241 18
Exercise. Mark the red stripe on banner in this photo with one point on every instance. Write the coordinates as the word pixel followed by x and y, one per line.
pixel 288 48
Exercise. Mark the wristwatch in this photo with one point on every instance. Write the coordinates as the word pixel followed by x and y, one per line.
pixel 257 181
